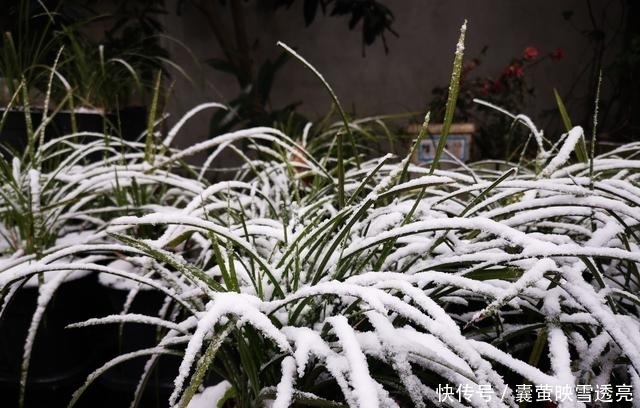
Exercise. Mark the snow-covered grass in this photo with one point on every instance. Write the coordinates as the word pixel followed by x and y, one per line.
pixel 310 280
pixel 461 277
pixel 56 198
pixel 471 277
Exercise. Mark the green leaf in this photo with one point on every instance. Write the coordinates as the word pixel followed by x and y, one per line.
pixel 203 365
pixel 343 115
pixel 452 98
pixel 190 271
pixel 581 147
pixel 566 120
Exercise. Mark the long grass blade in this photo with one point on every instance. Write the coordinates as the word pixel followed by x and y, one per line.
pixel 452 98
pixel 343 115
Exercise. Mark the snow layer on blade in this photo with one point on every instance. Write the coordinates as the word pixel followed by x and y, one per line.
pixel 242 306
pixel 210 396
pixel 46 292
pixel 530 277
pixel 365 388
pixel 130 318
pixel 527 371
pixel 308 343
pixel 595 304
pixel 285 386
pixel 567 148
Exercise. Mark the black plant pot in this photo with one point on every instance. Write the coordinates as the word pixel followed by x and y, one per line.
pixel 128 123
pixel 120 382
pixel 61 358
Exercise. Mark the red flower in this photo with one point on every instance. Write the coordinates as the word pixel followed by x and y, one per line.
pixel 487 87
pixel 514 70
pixel 557 54
pixel 497 86
pixel 530 53
pixel 469 66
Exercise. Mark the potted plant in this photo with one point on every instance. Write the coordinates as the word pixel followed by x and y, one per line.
pixel 495 136
pixel 100 84
pixel 55 206
pixel 112 61
pixel 44 208
pixel 54 198
pixel 447 289
pixel 327 282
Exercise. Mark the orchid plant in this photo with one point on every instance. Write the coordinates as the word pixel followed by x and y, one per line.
pixel 386 284
pixel 308 279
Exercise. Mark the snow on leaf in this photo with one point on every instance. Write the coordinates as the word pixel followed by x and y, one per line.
pixel 210 396
pixel 285 386
pixel 243 307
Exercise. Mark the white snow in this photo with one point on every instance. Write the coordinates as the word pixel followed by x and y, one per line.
pixel 271 251
pixel 210 396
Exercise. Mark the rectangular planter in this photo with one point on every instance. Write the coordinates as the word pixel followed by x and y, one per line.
pixel 458 142
pixel 128 123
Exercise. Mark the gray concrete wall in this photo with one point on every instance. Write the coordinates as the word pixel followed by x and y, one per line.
pixel 419 59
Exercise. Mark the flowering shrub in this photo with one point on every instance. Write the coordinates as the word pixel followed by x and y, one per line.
pixel 497 138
